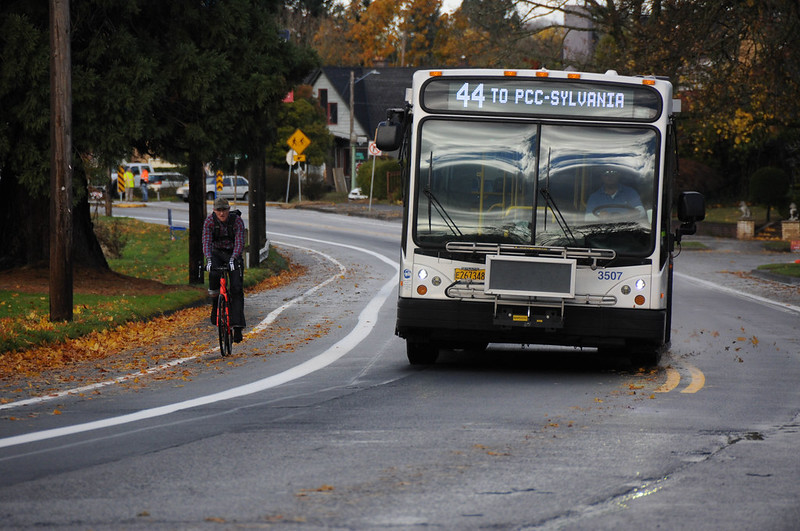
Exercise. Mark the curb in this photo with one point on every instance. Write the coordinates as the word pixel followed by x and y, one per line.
pixel 353 210
pixel 784 279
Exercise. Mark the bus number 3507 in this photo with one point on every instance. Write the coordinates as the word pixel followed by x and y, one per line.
pixel 609 275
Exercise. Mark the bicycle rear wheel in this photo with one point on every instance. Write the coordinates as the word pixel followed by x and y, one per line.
pixel 223 324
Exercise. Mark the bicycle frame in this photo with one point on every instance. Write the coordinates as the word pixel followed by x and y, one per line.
pixel 223 313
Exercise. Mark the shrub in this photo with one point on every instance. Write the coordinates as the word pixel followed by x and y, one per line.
pixel 379 188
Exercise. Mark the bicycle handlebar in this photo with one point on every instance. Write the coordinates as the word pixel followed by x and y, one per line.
pixel 203 269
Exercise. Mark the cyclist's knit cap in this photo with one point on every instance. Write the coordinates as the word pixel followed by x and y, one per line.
pixel 221 204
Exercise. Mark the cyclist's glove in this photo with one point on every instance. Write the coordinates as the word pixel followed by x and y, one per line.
pixel 232 264
pixel 208 264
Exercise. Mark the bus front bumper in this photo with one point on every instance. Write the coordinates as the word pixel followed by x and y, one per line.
pixel 461 322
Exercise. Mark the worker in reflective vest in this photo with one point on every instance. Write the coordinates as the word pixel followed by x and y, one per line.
pixel 130 183
pixel 144 182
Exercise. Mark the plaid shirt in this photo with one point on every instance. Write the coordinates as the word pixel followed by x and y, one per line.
pixel 209 244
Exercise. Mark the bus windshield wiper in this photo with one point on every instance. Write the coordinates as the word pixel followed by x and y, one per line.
pixel 442 212
pixel 550 202
pixel 438 205
pixel 562 223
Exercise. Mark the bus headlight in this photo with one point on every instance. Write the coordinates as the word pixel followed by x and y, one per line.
pixel 626 289
pixel 639 285
pixel 422 274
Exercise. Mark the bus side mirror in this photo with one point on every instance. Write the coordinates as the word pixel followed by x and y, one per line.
pixel 389 136
pixel 691 209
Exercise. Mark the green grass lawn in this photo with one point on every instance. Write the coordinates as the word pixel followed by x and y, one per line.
pixel 788 269
pixel 732 214
pixel 148 253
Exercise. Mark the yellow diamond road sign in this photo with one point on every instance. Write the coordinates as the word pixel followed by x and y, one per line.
pixel 298 141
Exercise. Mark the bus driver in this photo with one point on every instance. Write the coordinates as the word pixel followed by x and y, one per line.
pixel 613 199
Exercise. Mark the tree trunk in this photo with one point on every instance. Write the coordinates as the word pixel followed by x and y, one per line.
pixel 25 227
pixel 86 249
pixel 61 226
pixel 197 216
pixel 257 206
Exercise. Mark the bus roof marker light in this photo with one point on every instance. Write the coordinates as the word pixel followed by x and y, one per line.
pixel 510 73
pixel 542 74
pixel 573 75
pixel 648 82
pixel 435 73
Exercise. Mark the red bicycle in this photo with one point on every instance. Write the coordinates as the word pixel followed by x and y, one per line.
pixel 224 313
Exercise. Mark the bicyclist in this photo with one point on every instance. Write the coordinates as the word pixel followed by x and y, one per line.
pixel 223 243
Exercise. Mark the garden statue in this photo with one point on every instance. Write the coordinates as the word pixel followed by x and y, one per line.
pixel 793 212
pixel 745 210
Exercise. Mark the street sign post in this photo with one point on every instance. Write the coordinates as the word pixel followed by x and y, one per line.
pixel 120 181
pixel 373 150
pixel 219 182
pixel 290 160
pixel 298 141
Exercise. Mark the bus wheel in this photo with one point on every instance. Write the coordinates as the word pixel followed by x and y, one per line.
pixel 421 353
pixel 645 355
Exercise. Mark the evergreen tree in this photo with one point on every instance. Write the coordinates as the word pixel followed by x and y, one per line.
pixel 183 79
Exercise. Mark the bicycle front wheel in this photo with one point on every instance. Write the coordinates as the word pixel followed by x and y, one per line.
pixel 224 326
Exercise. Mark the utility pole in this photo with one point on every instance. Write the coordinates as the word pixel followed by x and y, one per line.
pixel 353 138
pixel 352 135
pixel 60 163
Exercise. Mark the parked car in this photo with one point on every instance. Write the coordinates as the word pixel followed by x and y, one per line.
pixel 241 190
pixel 355 194
pixel 162 180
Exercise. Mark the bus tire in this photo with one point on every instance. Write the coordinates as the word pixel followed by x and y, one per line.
pixel 645 355
pixel 421 353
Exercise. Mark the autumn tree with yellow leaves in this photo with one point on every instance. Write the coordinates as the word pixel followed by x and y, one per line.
pixel 735 65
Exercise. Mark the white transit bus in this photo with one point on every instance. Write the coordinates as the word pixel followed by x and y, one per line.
pixel 538 210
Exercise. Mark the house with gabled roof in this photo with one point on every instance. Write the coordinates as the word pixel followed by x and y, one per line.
pixel 374 91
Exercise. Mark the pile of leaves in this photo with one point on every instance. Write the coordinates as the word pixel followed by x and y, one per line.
pixel 124 349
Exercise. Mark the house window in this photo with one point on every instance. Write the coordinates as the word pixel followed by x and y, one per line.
pixel 333 113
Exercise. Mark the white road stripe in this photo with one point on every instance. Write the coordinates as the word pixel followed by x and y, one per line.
pixel 127 377
pixel 366 322
pixel 785 306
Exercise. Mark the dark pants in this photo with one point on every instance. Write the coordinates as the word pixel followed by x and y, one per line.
pixel 220 258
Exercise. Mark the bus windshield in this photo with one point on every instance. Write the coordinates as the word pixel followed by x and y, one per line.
pixel 542 184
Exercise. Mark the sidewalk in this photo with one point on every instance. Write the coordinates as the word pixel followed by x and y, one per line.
pixel 356 208
pixel 733 263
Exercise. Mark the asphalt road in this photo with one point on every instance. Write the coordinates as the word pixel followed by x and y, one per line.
pixel 319 422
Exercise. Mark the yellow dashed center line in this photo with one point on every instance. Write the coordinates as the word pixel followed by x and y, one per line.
pixel 674 379
pixel 698 380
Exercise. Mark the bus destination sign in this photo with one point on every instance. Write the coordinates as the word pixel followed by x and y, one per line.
pixel 542 97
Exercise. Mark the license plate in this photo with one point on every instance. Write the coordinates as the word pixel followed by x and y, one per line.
pixel 470 274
